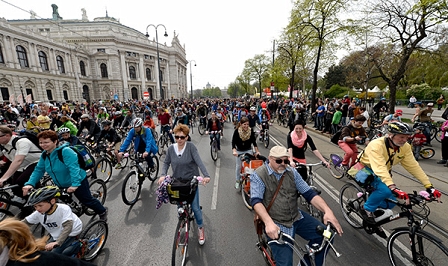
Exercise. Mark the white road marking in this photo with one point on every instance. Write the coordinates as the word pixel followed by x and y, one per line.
pixel 216 184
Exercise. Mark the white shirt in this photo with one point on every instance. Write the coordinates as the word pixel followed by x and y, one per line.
pixel 54 221
pixel 23 147
pixel 366 115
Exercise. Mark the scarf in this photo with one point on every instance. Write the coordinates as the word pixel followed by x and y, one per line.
pixel 244 134
pixel 295 139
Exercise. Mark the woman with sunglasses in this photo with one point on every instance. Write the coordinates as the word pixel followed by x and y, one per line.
pixel 298 141
pixel 242 141
pixel 183 156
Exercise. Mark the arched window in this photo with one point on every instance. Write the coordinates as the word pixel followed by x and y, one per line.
pixel 21 55
pixel 60 63
pixel 1 55
pixel 132 74
pixel 148 74
pixel 103 68
pixel 43 60
pixel 82 67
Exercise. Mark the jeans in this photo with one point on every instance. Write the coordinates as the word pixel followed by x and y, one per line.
pixel 167 129
pixel 84 196
pixel 351 152
pixel 320 122
pixel 218 139
pixel 305 228
pixel 149 160
pixel 416 151
pixel 66 248
pixel 343 120
pixel 378 196
pixel 238 164
pixel 197 209
pixel 427 132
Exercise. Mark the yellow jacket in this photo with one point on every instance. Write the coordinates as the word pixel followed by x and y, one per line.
pixel 375 157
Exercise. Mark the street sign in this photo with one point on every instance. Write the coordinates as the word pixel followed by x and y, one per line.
pixel 146 94
pixel 116 97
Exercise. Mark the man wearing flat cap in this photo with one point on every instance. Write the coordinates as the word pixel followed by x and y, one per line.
pixel 284 214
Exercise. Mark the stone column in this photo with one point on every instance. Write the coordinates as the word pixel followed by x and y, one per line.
pixel 32 56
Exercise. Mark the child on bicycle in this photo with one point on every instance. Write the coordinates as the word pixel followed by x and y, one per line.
pixel 418 138
pixel 57 219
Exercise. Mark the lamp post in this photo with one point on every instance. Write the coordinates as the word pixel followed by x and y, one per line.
pixel 191 77
pixel 158 57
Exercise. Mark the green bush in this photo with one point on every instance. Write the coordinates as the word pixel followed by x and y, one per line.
pixel 336 91
pixel 423 92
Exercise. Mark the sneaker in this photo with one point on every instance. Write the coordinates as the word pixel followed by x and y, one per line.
pixel 442 161
pixel 118 166
pixel 368 216
pixel 237 185
pixel 201 236
pixel 380 232
pixel 103 216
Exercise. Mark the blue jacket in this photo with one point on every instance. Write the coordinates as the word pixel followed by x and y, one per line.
pixel 64 174
pixel 151 146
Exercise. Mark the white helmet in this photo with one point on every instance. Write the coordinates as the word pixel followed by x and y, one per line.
pixel 253 108
pixel 138 122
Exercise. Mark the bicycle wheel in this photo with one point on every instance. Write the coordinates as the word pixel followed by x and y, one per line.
pixel 336 168
pixel 266 140
pixel 433 132
pixel 245 191
pixel 427 153
pixel 350 202
pixel 180 243
pixel 214 150
pixel 103 169
pixel 124 161
pixel 94 236
pixel 439 135
pixel 24 122
pixel 266 251
pixel 161 145
pixel 201 128
pixel 4 199
pixel 429 250
pixel 131 188
pixel 98 190
pixel 152 175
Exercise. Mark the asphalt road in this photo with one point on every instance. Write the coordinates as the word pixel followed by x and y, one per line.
pixel 142 235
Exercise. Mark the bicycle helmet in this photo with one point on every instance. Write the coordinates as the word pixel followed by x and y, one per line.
pixel 63 130
pixel 106 123
pixel 43 194
pixel 118 113
pixel 138 122
pixel 253 108
pixel 399 128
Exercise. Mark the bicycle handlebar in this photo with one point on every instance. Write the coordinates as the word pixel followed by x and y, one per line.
pixel 310 164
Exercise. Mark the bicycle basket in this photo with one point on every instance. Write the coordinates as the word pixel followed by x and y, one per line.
pixel 181 191
pixel 251 166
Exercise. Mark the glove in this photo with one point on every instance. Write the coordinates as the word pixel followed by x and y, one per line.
pixel 400 194
pixel 434 192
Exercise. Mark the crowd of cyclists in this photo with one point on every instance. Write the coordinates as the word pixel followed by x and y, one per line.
pixel 121 124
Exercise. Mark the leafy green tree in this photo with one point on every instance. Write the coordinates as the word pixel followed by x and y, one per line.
pixel 336 91
pixel 257 68
pixel 335 75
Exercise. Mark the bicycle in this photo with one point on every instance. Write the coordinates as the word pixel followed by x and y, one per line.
pixel 337 170
pixel 313 211
pixel 91 240
pixel 163 141
pixel 202 127
pixel 405 245
pixel 182 195
pixel 308 251
pixel 214 144
pixel 132 184
pixel 103 166
pixel 264 134
pixel 248 165
pixel 6 202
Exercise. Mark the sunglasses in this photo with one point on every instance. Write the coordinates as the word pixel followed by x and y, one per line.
pixel 180 137
pixel 279 161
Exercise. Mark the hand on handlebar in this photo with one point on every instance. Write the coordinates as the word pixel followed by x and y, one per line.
pixel 400 194
pixel 434 193
pixel 26 190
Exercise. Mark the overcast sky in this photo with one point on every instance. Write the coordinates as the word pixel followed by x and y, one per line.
pixel 218 35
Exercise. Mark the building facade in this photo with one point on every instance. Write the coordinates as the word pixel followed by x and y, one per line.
pixel 72 60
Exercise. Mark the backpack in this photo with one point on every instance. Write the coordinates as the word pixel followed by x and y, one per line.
pixel 335 138
pixel 85 160
pixel 31 136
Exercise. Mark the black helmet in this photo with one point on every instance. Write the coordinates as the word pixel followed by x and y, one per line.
pixel 399 128
pixel 43 194
pixel 106 123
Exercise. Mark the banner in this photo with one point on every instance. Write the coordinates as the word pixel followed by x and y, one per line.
pixel 28 99
pixel 11 99
pixel 20 99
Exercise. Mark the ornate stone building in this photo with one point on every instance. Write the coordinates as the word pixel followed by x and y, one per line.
pixel 59 60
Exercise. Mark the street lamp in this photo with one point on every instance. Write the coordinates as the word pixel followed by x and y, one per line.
pixel 158 57
pixel 191 77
